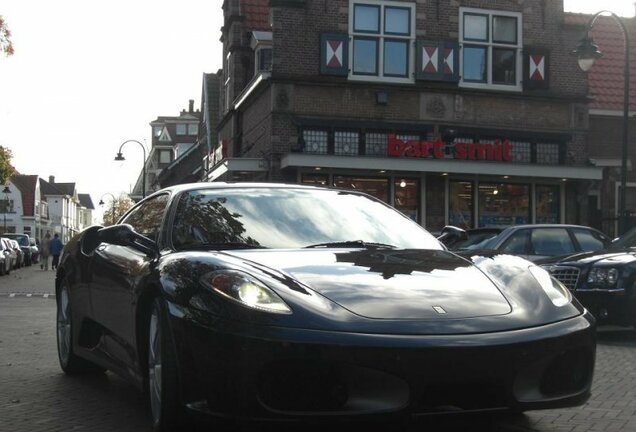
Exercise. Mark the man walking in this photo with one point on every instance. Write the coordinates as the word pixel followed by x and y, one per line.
pixel 55 249
pixel 44 252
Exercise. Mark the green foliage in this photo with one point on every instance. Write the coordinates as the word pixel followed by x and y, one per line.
pixel 6 46
pixel 6 169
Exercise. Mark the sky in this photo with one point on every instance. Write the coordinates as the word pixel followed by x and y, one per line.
pixel 88 75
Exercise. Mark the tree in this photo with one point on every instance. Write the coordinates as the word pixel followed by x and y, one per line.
pixel 6 46
pixel 6 169
pixel 116 209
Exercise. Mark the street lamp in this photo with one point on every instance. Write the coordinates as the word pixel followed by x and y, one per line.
pixel 6 191
pixel 120 157
pixel 587 51
pixel 101 203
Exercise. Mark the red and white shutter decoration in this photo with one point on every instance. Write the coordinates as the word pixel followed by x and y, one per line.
pixel 334 54
pixel 536 69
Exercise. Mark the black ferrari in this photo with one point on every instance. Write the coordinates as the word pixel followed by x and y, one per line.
pixel 288 302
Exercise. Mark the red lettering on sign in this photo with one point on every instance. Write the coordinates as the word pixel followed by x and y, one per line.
pixel 497 151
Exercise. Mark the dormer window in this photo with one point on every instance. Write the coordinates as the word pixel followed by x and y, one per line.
pixel 262 46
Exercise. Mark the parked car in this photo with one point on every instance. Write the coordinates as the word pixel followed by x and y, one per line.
pixel 7 257
pixel 18 250
pixel 297 302
pixel 542 243
pixel 10 252
pixel 25 244
pixel 35 250
pixel 604 281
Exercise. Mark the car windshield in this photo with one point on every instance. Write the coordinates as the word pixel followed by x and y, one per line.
pixel 628 240
pixel 292 218
pixel 21 239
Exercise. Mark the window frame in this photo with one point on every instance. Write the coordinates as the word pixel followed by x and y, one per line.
pixel 490 45
pixel 380 37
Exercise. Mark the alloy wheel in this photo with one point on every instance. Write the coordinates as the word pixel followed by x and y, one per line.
pixel 64 326
pixel 154 366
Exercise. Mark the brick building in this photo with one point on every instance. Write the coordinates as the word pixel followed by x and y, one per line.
pixel 468 112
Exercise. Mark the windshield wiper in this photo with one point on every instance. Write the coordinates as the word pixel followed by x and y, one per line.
pixel 220 246
pixel 351 244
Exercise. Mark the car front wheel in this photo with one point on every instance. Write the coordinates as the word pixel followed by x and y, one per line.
pixel 70 363
pixel 163 380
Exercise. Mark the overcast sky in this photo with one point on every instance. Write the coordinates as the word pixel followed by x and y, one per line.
pixel 88 75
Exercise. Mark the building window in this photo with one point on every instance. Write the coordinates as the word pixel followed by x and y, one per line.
pixel 180 149
pixel 263 60
pixel 193 129
pixel 491 49
pixel 6 206
pixel 376 144
pixel 406 197
pixel 460 201
pixel 164 156
pixel 382 35
pixel 346 143
pixel 314 179
pixel 548 204
pixel 377 187
pixel 521 151
pixel 503 204
pixel 547 154
pixel 181 128
pixel 316 141
pixel 156 131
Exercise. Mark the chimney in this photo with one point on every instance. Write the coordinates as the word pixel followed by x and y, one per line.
pixel 191 109
pixel 51 179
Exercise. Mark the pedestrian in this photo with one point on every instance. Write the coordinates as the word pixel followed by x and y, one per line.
pixel 55 249
pixel 44 251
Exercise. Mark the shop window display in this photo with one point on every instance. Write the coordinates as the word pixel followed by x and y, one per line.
pixel 547 199
pixel 503 204
pixel 460 196
pixel 375 186
pixel 406 197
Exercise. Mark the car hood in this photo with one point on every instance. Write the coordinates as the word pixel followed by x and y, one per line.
pixel 604 257
pixel 390 284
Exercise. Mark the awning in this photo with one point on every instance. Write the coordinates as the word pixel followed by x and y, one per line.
pixel 450 166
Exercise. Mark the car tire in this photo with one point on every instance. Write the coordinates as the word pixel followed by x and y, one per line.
pixel 163 378
pixel 70 363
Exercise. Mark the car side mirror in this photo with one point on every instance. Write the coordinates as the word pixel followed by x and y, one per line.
pixel 125 235
pixel 451 234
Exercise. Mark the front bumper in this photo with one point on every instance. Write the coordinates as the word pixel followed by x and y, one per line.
pixel 256 372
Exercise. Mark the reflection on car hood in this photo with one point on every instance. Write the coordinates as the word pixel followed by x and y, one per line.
pixel 390 284
pixel 606 257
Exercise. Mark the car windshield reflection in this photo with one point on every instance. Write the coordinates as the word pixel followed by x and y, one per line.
pixel 291 218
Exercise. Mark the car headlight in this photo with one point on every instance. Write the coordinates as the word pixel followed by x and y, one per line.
pixel 603 276
pixel 245 290
pixel 556 291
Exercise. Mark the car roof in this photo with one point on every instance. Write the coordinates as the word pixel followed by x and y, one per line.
pixel 239 185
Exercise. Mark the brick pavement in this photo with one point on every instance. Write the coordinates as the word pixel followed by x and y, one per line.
pixel 28 280
pixel 36 396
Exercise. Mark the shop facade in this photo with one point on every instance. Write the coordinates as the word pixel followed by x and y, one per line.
pixel 470 116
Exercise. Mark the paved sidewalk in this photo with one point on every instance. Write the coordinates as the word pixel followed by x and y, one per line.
pixel 28 280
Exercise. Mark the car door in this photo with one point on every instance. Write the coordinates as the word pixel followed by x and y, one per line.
pixel 517 243
pixel 116 272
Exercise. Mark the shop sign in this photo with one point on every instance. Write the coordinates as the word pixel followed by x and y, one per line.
pixel 496 151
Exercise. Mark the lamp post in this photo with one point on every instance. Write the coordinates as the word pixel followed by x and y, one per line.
pixel 101 203
pixel 587 51
pixel 120 157
pixel 6 191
